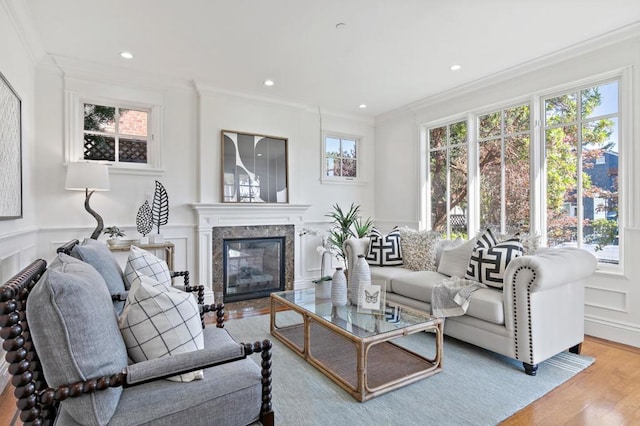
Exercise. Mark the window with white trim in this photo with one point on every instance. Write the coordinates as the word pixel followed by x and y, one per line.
pixel 115 134
pixel 125 133
pixel 580 133
pixel 448 157
pixel 340 157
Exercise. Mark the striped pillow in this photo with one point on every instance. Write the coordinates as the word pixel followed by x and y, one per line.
pixel 384 250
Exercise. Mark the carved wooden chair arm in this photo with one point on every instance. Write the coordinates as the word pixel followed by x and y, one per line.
pixel 217 308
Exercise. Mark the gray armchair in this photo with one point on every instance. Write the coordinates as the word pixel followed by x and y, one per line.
pixel 69 362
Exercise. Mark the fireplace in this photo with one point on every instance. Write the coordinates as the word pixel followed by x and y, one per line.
pixel 251 262
pixel 252 267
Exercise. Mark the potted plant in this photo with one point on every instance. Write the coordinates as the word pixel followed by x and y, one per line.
pixel 346 224
pixel 114 235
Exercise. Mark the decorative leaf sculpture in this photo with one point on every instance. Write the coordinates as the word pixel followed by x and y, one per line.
pixel 160 209
pixel 143 219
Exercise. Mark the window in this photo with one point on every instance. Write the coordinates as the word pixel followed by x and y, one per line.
pixel 125 132
pixel 115 134
pixel 448 157
pixel 503 157
pixel 559 180
pixel 581 154
pixel 340 157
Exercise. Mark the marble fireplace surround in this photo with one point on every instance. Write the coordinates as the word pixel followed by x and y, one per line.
pixel 226 215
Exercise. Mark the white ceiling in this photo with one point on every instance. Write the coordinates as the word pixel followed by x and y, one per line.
pixel 391 53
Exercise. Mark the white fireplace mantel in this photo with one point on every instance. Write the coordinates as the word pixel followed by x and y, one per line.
pixel 238 214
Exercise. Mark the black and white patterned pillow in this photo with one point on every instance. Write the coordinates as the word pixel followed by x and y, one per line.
pixel 158 321
pixel 486 240
pixel 384 250
pixel 488 265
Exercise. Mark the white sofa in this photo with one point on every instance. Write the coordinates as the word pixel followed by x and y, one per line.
pixel 538 313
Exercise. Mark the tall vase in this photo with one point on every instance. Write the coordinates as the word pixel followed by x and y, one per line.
pixel 339 288
pixel 360 276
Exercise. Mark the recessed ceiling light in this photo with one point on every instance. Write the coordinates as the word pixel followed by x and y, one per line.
pixel 126 55
pixel 455 67
pixel 363 106
pixel 269 83
pixel 341 26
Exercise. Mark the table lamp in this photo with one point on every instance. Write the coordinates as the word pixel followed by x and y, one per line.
pixel 89 177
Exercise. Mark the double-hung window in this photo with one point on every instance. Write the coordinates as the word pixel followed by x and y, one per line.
pixel 581 156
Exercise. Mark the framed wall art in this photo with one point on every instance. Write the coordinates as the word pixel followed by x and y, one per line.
pixel 254 168
pixel 10 152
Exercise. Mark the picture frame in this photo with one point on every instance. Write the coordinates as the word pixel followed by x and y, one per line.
pixel 373 300
pixel 254 168
pixel 10 151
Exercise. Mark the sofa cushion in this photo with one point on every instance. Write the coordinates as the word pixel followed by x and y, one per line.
pixel 487 304
pixel 158 321
pixel 488 265
pixel 454 261
pixel 75 332
pixel 99 256
pixel 146 263
pixel 384 250
pixel 380 275
pixel 417 285
pixel 418 249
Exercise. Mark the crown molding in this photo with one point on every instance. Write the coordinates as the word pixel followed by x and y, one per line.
pixel 20 16
pixel 94 71
pixel 617 36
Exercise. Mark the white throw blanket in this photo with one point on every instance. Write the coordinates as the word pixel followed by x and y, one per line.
pixel 451 297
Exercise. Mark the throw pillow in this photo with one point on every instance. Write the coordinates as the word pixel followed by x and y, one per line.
pixel 488 265
pixel 486 239
pixel 75 331
pixel 384 250
pixel 418 249
pixel 442 245
pixel 147 264
pixel 159 320
pixel 99 256
pixel 454 261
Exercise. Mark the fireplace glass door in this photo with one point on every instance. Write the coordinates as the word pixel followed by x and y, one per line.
pixel 253 267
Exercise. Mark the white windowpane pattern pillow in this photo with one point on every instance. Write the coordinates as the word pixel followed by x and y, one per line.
pixel 147 264
pixel 158 321
pixel 489 259
pixel 384 250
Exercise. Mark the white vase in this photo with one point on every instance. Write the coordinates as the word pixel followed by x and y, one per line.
pixel 360 276
pixel 339 288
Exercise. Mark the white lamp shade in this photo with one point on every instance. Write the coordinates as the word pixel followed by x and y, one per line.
pixel 91 176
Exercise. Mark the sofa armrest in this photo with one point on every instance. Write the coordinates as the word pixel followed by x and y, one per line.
pixel 354 247
pixel 544 301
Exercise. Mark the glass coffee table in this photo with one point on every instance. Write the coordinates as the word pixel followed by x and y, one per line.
pixel 358 351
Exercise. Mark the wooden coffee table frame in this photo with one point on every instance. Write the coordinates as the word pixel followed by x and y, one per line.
pixel 364 367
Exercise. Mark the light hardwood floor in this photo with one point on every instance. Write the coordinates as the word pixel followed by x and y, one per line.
pixel 606 393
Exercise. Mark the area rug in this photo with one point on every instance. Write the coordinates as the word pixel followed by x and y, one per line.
pixel 475 387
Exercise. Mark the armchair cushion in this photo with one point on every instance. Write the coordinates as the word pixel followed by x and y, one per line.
pixel 159 321
pixel 75 331
pixel 147 264
pixel 100 257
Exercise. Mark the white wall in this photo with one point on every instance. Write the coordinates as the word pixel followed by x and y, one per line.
pixel 612 298
pixel 18 238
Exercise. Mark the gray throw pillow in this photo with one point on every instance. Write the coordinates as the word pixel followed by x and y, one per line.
pixel 75 332
pixel 99 256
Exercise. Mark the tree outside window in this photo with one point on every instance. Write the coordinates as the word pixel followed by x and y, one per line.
pixel 581 142
pixel 341 157
pixel 448 159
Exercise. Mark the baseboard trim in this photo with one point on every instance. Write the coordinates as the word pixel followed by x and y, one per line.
pixel 627 334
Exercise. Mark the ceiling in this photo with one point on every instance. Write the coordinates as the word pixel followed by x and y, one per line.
pixel 389 53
